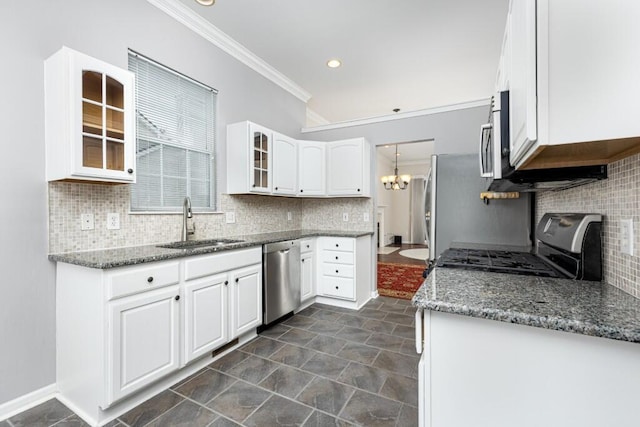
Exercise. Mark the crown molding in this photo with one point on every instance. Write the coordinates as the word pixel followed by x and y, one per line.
pixel 213 34
pixel 316 118
pixel 399 116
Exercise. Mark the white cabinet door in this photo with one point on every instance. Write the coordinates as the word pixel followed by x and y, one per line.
pixel 249 158
pixel 285 170
pixel 260 157
pixel 523 120
pixel 143 340
pixel 307 271
pixel 205 315
pixel 245 302
pixel 348 168
pixel 89 119
pixel 311 168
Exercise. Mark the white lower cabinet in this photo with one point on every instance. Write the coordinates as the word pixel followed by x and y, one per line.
pixel 246 299
pixel 307 288
pixel 143 340
pixel 344 270
pixel 120 330
pixel 205 322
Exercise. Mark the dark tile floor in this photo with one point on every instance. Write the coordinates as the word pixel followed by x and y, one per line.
pixel 325 366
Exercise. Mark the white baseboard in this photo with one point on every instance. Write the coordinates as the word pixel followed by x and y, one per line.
pixel 375 294
pixel 27 401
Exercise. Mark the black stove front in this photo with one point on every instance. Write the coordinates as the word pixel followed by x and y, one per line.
pixel 524 263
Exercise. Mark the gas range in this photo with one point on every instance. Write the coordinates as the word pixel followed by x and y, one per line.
pixel 569 246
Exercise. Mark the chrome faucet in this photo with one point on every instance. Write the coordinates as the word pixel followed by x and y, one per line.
pixel 186 213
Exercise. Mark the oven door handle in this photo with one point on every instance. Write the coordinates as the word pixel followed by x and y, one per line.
pixel 483 130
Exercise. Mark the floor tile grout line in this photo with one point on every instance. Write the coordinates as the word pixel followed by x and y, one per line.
pixel 67 417
pixel 163 413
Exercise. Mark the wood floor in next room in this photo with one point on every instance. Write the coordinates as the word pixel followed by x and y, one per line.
pixel 325 366
pixel 396 258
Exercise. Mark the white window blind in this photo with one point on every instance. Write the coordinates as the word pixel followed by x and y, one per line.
pixel 175 139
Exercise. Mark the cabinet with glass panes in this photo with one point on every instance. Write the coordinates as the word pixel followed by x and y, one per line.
pixel 89 119
pixel 251 145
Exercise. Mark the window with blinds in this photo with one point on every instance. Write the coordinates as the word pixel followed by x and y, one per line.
pixel 175 152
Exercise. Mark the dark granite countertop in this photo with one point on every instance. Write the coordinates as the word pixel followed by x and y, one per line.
pixel 118 257
pixel 588 308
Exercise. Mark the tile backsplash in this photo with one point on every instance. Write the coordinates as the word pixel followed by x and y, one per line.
pixel 254 214
pixel 616 198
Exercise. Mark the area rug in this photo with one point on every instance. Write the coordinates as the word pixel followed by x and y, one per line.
pixel 415 253
pixel 399 280
pixel 387 250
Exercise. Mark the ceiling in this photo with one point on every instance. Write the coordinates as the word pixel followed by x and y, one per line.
pixel 408 54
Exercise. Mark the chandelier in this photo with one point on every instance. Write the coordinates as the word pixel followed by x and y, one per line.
pixel 395 181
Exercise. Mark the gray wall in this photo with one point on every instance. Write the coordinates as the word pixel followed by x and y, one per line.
pixel 30 32
pixel 454 132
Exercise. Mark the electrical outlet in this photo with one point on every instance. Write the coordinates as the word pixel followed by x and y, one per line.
pixel 626 236
pixel 345 216
pixel 86 221
pixel 289 216
pixel 365 217
pixel 113 221
pixel 231 217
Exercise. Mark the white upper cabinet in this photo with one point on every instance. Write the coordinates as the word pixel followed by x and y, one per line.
pixel 285 170
pixel 266 162
pixel 311 168
pixel 89 119
pixel 348 168
pixel 573 82
pixel 249 157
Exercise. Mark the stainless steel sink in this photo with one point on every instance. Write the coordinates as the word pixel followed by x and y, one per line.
pixel 194 244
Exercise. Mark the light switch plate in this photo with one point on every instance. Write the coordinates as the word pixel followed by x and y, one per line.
pixel 365 217
pixel 230 217
pixel 289 216
pixel 113 221
pixel 345 216
pixel 86 221
pixel 626 236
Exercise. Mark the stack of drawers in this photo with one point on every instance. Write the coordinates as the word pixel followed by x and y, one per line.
pixel 337 267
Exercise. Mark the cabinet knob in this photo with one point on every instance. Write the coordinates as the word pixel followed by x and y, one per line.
pixel 302 260
pixel 150 279
pixel 226 282
pixel 177 298
pixel 336 287
pixel 336 257
pixel 130 170
pixel 237 279
pixel 358 190
pixel 307 246
pixel 302 191
pixel 336 271
pixel 337 245
pixel 276 188
pixel 254 186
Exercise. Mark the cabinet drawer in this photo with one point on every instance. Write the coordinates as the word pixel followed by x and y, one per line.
pixel 307 245
pixel 337 257
pixel 338 287
pixel 206 265
pixel 338 243
pixel 337 270
pixel 132 280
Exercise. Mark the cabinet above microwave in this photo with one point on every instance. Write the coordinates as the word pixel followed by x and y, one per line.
pixel 572 70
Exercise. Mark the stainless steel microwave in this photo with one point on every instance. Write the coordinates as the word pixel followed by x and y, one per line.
pixel 496 167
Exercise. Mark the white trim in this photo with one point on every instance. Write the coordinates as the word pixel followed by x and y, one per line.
pixel 316 118
pixel 27 401
pixel 208 31
pixel 398 116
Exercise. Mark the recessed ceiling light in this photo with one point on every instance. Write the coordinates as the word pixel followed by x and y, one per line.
pixel 334 63
pixel 206 2
pixel 386 146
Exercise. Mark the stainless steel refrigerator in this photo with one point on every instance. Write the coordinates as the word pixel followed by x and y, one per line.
pixel 455 215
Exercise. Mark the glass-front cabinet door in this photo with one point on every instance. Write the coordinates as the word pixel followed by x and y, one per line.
pixel 99 109
pixel 261 170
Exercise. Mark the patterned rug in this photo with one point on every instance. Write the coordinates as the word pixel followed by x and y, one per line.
pixel 399 280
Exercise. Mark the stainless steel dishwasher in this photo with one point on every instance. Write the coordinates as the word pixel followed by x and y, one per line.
pixel 281 279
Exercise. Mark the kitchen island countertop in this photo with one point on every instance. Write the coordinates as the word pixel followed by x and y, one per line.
pixel 583 307
pixel 118 257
